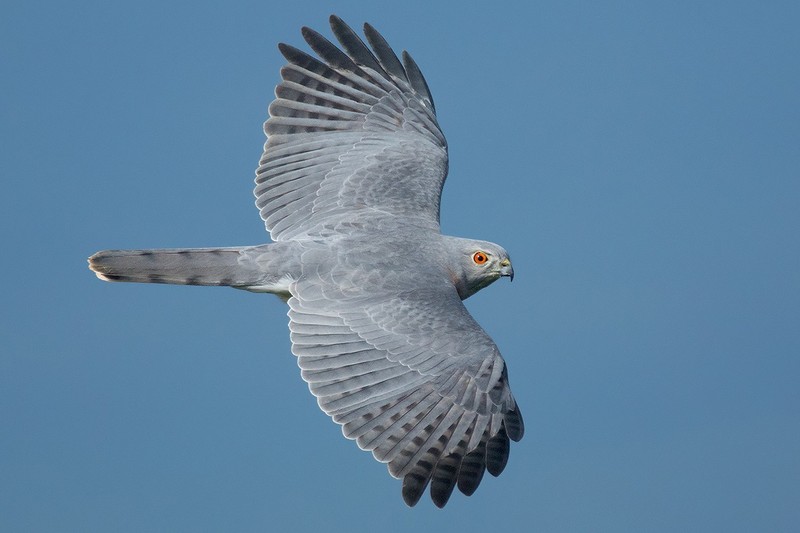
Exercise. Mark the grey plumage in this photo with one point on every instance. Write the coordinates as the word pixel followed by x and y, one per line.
pixel 349 188
pixel 181 266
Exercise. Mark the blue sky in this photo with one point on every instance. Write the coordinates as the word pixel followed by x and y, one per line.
pixel 640 162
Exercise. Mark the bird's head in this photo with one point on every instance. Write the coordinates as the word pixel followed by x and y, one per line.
pixel 480 264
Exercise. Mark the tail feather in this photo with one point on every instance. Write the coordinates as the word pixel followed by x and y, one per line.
pixel 181 266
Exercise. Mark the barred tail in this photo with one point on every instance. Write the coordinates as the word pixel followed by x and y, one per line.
pixel 181 266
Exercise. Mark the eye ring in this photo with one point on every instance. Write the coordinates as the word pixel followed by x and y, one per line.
pixel 480 258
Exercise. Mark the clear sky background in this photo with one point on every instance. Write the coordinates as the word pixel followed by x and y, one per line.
pixel 639 160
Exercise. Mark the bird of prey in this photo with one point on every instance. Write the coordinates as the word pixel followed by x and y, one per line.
pixel 349 188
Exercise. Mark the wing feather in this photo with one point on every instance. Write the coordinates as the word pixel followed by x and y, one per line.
pixel 384 443
pixel 354 46
pixel 372 421
pixel 435 407
pixel 386 56
pixel 357 130
pixel 346 359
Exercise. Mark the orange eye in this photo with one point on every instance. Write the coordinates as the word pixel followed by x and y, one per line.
pixel 480 258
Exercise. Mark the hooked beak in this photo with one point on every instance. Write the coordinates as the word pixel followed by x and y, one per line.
pixel 506 269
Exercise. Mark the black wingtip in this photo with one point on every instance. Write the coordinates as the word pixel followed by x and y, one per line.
pixel 514 425
pixel 416 79
pixel 309 33
pixel 354 46
pixel 386 56
pixel 444 479
pixel 497 451
pixel 472 468
pixel 327 51
pixel 286 50
pixel 413 488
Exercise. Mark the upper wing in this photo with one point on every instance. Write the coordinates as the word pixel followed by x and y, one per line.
pixel 411 377
pixel 349 137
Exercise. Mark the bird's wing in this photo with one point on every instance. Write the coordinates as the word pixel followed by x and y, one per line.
pixel 411 377
pixel 351 136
